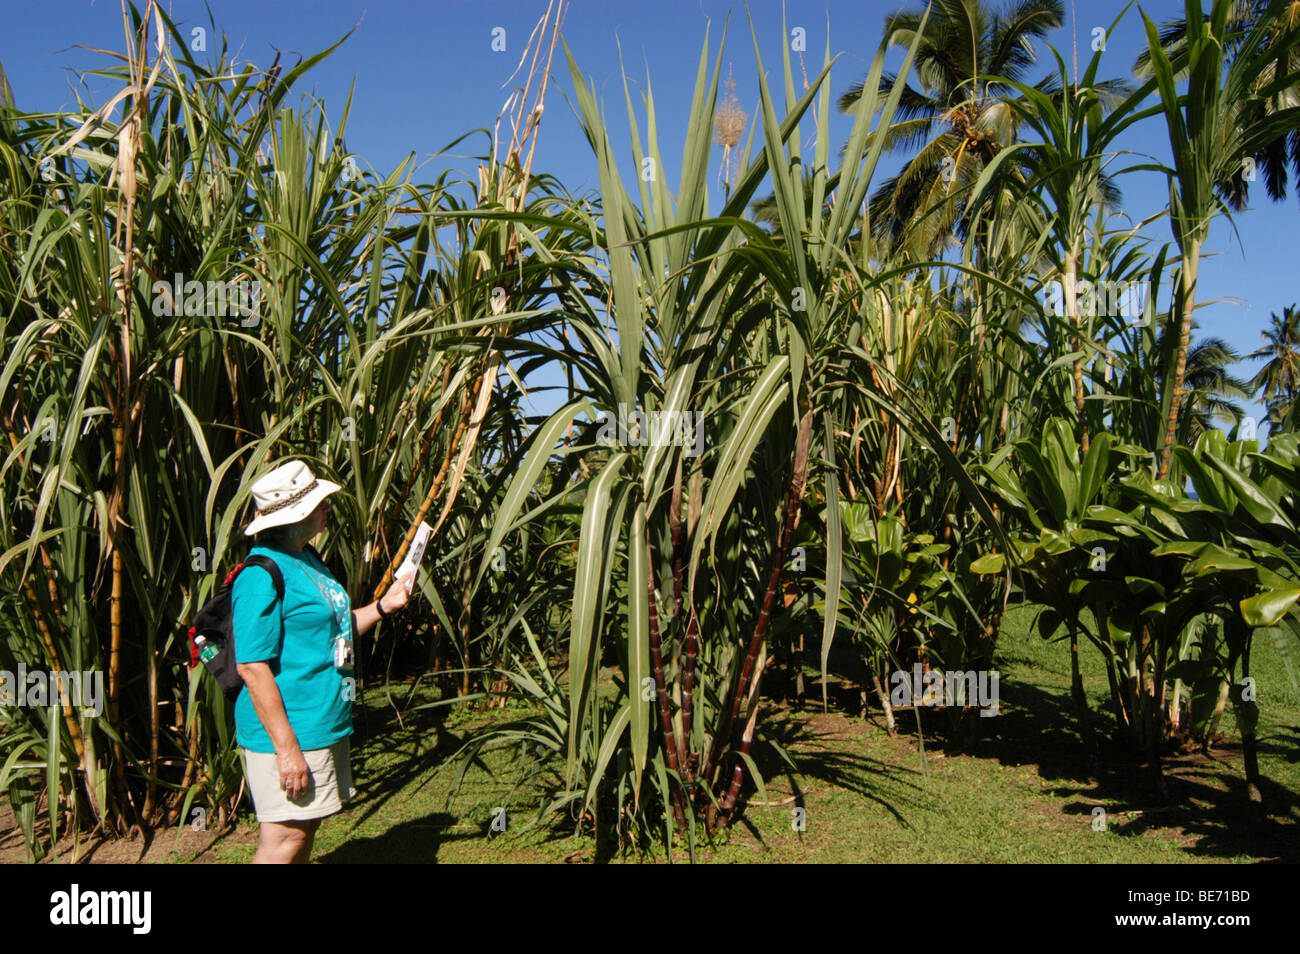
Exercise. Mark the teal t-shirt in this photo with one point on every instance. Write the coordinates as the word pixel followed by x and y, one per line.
pixel 317 694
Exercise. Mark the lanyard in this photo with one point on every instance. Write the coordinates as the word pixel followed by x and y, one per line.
pixel 326 594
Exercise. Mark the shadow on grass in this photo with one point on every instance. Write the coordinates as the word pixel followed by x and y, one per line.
pixel 388 753
pixel 1205 798
pixel 393 761
pixel 818 758
pixel 409 842
pixel 1204 804
pixel 1286 747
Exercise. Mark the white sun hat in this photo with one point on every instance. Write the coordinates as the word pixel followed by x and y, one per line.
pixel 286 495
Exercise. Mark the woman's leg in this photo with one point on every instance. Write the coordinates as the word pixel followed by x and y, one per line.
pixel 287 842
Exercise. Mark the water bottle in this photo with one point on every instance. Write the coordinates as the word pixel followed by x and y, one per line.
pixel 206 649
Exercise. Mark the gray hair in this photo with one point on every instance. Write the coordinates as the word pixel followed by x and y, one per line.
pixel 282 534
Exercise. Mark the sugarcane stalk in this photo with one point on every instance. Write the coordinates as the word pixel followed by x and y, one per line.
pixel 51 649
pixel 675 527
pixel 747 737
pixel 125 410
pixel 435 489
pixel 191 767
pixel 417 463
pixel 512 201
pixel 671 746
pixel 51 584
pixel 155 726
pixel 690 651
pixel 689 643
pixel 56 665
pixel 794 497
pixel 462 623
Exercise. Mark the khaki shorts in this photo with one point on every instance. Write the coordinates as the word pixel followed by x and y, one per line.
pixel 330 785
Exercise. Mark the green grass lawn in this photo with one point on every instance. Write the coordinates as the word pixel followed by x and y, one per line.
pixel 1026 792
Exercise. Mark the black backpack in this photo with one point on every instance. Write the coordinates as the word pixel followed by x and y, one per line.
pixel 212 637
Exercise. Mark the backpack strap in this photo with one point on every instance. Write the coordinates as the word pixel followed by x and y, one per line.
pixel 267 564
pixel 277 580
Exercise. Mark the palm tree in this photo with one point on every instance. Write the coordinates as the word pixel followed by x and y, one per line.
pixel 1279 379
pixel 1220 118
pixel 1065 183
pixel 1272 157
pixel 1212 392
pixel 957 120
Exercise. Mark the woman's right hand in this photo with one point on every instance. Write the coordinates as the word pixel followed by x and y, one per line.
pixel 398 594
pixel 295 776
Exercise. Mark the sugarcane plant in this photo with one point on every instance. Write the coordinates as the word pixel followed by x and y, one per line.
pixel 207 285
pixel 683 546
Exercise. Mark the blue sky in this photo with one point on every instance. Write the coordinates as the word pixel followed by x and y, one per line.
pixel 425 73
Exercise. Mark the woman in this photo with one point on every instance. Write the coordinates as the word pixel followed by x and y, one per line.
pixel 293 718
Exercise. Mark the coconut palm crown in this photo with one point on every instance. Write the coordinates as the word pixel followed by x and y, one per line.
pixel 1279 379
pixel 957 120
pixel 1278 158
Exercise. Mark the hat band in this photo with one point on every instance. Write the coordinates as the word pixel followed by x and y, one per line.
pixel 288 501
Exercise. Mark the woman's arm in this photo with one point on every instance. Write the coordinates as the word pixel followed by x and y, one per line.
pixel 269 705
pixel 366 617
